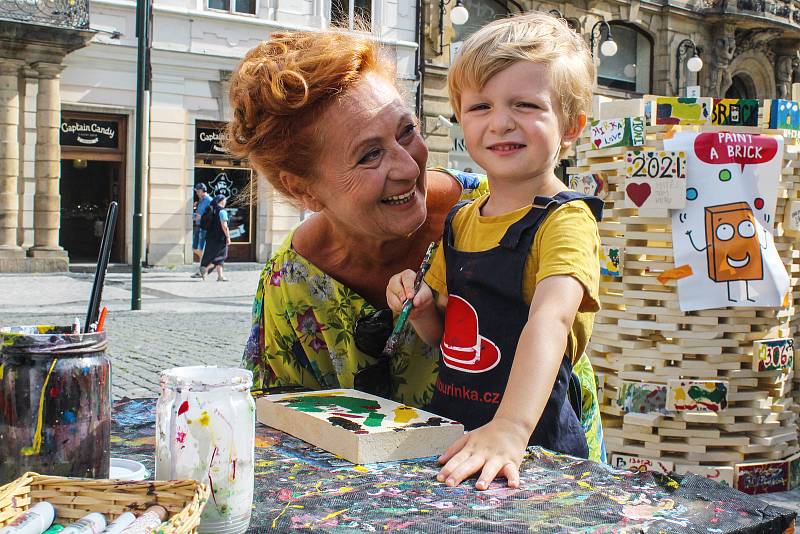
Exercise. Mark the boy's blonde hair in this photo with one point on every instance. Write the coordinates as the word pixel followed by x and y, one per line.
pixel 537 37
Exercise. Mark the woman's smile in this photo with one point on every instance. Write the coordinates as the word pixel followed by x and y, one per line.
pixel 400 199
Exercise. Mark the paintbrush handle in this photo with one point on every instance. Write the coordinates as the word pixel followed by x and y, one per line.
pixel 102 265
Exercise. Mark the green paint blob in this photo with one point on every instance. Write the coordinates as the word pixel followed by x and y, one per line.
pixel 313 403
pixel 725 175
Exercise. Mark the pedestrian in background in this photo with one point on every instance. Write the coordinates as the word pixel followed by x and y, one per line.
pixel 218 238
pixel 198 233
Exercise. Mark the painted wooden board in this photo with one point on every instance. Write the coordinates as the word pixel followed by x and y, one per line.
pixel 594 184
pixel 357 426
pixel 720 473
pixel 655 179
pixel 773 355
pixel 697 395
pixel 627 131
pixel 794 471
pixel 762 477
pixel 636 463
pixel 642 397
pixel 735 112
pixel 683 111
pixel 784 114
pixel 791 218
pixel 611 261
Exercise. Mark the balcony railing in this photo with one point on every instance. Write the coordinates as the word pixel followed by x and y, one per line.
pixel 73 14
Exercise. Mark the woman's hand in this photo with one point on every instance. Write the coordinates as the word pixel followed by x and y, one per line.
pixel 495 449
pixel 401 288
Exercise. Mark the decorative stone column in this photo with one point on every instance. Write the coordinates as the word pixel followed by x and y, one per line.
pixel 47 168
pixel 9 158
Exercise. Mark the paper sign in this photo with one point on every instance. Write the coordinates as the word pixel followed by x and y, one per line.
pixel 697 395
pixel 655 179
pixel 627 131
pixel 593 184
pixel 724 232
pixel 677 110
pixel 791 218
pixel 634 463
pixel 773 355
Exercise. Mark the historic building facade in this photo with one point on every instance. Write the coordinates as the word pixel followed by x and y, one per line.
pixel 68 137
pixel 748 48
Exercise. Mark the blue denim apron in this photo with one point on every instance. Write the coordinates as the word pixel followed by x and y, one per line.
pixel 485 315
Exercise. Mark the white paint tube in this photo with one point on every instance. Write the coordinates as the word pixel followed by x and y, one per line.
pixel 93 523
pixel 148 521
pixel 35 520
pixel 120 523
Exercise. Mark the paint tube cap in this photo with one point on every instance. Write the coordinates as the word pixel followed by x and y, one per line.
pixel 159 510
pixel 124 469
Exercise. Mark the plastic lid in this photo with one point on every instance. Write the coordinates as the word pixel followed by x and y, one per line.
pixel 123 469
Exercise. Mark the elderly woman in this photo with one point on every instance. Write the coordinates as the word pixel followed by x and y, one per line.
pixel 319 115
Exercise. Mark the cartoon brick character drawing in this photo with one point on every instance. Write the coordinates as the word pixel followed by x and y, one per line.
pixel 732 246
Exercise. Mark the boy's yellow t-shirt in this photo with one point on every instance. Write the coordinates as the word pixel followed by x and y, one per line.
pixel 566 243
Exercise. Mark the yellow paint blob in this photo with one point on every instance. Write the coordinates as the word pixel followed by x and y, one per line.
pixel 361 469
pixel 204 418
pixel 404 414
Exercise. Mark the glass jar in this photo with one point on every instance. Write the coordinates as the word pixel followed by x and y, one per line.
pixel 55 402
pixel 205 430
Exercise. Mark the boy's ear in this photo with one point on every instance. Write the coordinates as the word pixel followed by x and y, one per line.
pixel 298 188
pixel 572 133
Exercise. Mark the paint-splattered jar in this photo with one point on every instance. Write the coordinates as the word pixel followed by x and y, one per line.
pixel 205 430
pixel 55 402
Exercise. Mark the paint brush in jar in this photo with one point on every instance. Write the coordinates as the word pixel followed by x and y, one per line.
pixel 394 338
pixel 102 265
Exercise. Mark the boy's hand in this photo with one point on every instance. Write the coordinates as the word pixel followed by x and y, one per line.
pixel 495 449
pixel 401 287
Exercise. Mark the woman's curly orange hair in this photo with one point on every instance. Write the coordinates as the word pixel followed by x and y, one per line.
pixel 281 88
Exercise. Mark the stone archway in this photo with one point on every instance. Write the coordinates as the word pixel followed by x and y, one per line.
pixel 754 69
pixel 742 87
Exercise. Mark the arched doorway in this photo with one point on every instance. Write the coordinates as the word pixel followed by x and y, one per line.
pixel 742 86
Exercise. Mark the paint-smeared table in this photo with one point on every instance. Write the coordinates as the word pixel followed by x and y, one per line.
pixel 302 487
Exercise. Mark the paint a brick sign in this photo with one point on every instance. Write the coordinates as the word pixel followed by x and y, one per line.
pixel 766 477
pixel 635 463
pixel 609 133
pixel 773 355
pixel 697 395
pixel 655 179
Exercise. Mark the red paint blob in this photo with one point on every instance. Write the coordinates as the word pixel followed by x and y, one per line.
pixel 54 391
pixel 184 408
pixel 758 203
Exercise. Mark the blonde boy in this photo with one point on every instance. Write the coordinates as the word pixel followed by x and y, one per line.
pixel 517 275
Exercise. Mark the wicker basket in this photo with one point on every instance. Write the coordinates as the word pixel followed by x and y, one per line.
pixel 73 498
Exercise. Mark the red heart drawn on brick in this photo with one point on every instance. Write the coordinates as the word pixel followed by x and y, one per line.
pixel 597 142
pixel 638 193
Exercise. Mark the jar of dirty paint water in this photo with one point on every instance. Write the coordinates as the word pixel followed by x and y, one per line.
pixel 205 430
pixel 55 402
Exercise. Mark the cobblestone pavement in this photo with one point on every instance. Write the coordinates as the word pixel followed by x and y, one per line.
pixel 183 321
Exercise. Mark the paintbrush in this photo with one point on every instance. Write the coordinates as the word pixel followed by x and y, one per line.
pixel 394 338
pixel 102 265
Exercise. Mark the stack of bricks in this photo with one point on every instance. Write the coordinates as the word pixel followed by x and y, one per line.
pixel 654 361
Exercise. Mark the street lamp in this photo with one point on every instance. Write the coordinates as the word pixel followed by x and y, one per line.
pixel 458 16
pixel 608 47
pixel 694 64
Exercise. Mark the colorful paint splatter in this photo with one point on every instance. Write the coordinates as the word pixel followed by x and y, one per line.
pixel 299 487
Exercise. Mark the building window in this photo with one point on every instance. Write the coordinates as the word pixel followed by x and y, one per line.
pixel 630 68
pixel 247 7
pixel 352 14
